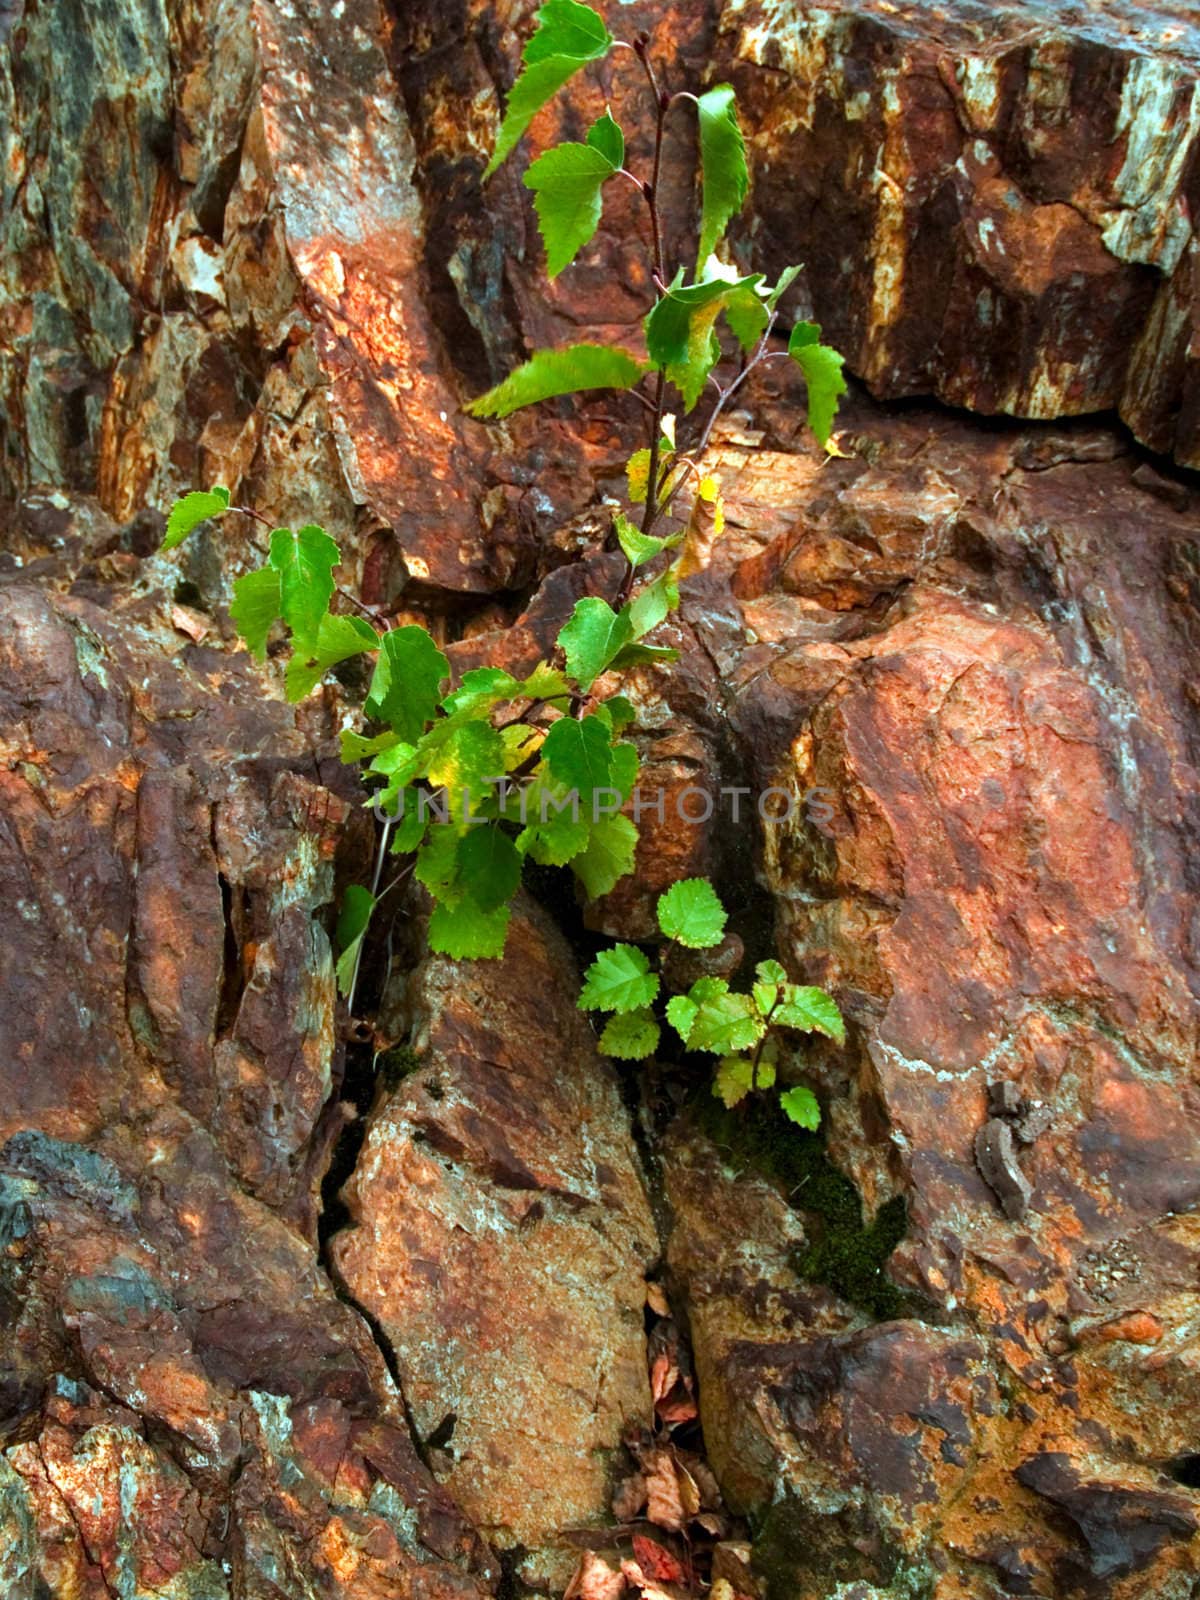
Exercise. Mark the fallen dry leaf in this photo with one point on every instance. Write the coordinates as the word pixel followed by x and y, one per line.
pixel 710 1489
pixel 650 1589
pixel 731 1563
pixel 679 1406
pixel 657 1300
pixel 594 1579
pixel 672 1496
pixel 629 1498
pixel 664 1375
pixel 656 1561
pixel 712 1523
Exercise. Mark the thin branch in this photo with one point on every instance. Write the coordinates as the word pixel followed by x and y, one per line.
pixel 723 400
pixel 379 860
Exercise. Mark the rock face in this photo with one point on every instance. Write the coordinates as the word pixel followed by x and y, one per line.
pixel 502 1235
pixel 995 203
pixel 187 1406
pixel 1000 898
pixel 246 242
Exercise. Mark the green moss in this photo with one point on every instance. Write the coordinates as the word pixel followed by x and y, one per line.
pixel 394 1065
pixel 841 1252
pixel 840 1556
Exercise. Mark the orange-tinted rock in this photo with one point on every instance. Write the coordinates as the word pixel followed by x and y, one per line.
pixel 993 202
pixel 1002 726
pixel 501 1236
pixel 182 1392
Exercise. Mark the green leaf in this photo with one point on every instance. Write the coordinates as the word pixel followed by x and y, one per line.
pixel 682 1011
pixel 708 989
pixel 605 135
pixel 519 741
pixel 407 680
pixel 723 162
pixel 691 914
pixel 561 834
pixel 621 710
pixel 654 603
pixel 356 747
pixel 608 857
pixel 553 372
pixel 637 471
pixel 782 284
pixel 618 980
pixel 190 512
pixel 593 638
pixel 680 336
pixel 545 683
pixel 255 607
pixel 630 1037
pixel 747 315
pixel 625 765
pixel 304 561
pixel 640 547
pixel 566 28
pixel 822 369
pixel 735 1078
pixel 490 866
pixel 567 182
pixel 395 759
pixel 812 1011
pixel 766 991
pixel 725 1023
pixel 802 1106
pixel 353 920
pixel 338 638
pixel 410 826
pixel 480 689
pixel 438 866
pixel 467 933
pixel 579 756
pixel 568 35
pixel 637 655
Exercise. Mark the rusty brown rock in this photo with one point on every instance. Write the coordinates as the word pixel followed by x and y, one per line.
pixel 993 203
pixel 501 1236
pixel 182 1393
pixel 1000 893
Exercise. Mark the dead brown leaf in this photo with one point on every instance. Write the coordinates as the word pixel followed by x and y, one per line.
pixel 656 1561
pixel 594 1579
pixel 657 1300
pixel 731 1564
pixel 649 1588
pixel 664 1375
pixel 710 1489
pixel 629 1498
pixel 672 1496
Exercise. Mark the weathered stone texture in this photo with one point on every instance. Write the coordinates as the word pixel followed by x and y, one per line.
pixel 186 1405
pixel 501 1238
pixel 1002 896
pixel 994 203
pixel 245 242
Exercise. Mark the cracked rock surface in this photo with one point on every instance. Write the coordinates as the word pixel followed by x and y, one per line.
pixel 245 242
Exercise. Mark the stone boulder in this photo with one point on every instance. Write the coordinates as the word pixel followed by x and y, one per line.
pixel 186 1403
pixel 991 696
pixel 501 1236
